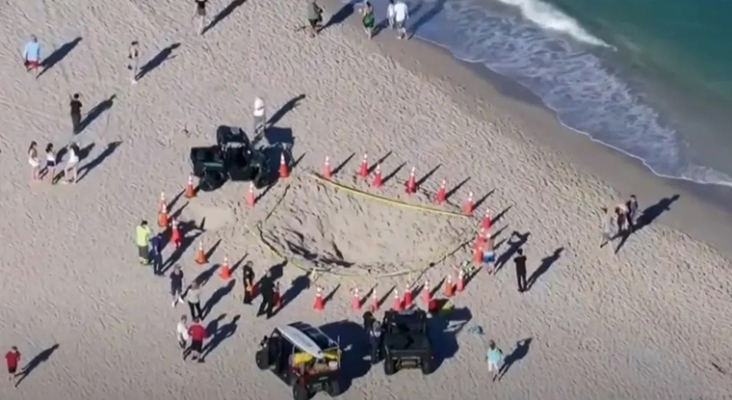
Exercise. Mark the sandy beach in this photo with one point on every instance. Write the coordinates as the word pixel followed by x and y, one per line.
pixel 651 322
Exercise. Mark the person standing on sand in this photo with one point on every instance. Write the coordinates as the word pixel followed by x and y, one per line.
pixel 75 105
pixel 133 55
pixel 632 208
pixel 32 56
pixel 494 356
pixel 621 223
pixel 182 332
pixel 401 14
pixel 266 289
pixel 71 170
pixel 197 334
pixel 33 160
pixel 201 15
pixel 606 226
pixel 12 359
pixel 314 14
pixel 143 235
pixel 260 118
pixel 520 261
pixel 368 20
pixel 176 284
pixel 51 162
pixel 156 253
pixel 247 283
pixel 390 14
pixel 489 254
pixel 193 297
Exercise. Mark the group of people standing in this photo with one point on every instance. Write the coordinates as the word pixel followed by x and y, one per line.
pixel 397 14
pixel 70 171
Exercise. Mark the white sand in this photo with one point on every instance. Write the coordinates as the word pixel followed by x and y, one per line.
pixel 647 324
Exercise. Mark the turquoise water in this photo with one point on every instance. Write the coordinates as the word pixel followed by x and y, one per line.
pixel 649 78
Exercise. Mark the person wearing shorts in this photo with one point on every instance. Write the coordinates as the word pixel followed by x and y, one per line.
pixel 50 162
pixel 494 355
pixel 12 359
pixel 201 15
pixel 197 334
pixel 176 285
pixel 401 14
pixel 182 332
pixel 33 160
pixel 142 238
pixel 315 17
pixel 32 56
pixel 71 171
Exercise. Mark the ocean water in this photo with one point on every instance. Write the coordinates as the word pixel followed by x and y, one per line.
pixel 649 78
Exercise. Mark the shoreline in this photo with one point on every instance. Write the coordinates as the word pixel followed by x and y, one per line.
pixel 702 212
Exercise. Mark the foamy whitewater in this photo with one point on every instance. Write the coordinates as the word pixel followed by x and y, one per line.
pixel 551 54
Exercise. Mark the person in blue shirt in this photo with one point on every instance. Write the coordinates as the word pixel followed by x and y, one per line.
pixel 494 356
pixel 156 256
pixel 32 56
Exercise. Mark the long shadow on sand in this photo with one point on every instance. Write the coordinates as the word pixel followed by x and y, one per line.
pixel 88 167
pixel 35 362
pixel 156 61
pixel 220 334
pixel 340 16
pixel 546 263
pixel 96 112
pixel 58 55
pixel 223 14
pixel 444 330
pixel 521 350
pixel 216 297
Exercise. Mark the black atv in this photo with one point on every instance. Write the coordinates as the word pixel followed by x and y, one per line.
pixel 232 158
pixel 406 341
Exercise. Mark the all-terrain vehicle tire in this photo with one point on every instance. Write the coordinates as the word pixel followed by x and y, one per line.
pixel 300 391
pixel 426 365
pixel 389 366
pixel 211 181
pixel 333 388
pixel 262 359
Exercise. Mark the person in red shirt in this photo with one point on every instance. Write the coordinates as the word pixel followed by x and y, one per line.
pixel 197 333
pixel 12 359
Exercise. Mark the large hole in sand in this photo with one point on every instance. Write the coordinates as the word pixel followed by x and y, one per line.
pixel 330 229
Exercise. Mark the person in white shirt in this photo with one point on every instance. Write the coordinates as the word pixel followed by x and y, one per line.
pixel 71 171
pixel 260 119
pixel 390 14
pixel 182 332
pixel 401 14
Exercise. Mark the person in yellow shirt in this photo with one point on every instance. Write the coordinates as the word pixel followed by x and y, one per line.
pixel 142 239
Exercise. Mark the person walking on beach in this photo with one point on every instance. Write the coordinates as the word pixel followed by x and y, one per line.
pixel 32 56
pixel 314 14
pixel 520 261
pixel 197 334
pixel 606 226
pixel 193 297
pixel 51 162
pixel 266 289
pixel 12 359
pixel 247 283
pixel 75 105
pixel 401 14
pixel 33 160
pixel 71 170
pixel 143 234
pixel 494 356
pixel 201 15
pixel 260 119
pixel 620 213
pixel 133 55
pixel 176 285
pixel 390 14
pixel 182 332
pixel 631 207
pixel 368 20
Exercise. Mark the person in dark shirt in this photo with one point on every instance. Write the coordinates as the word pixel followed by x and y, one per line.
pixel 631 207
pixel 12 359
pixel 248 283
pixel 75 105
pixel 266 289
pixel 197 333
pixel 201 15
pixel 520 261
pixel 176 285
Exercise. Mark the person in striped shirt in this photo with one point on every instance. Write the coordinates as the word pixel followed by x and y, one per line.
pixel 32 56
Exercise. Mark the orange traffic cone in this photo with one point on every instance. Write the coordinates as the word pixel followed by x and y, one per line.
pixel 277 298
pixel 374 302
pixel 284 168
pixel 397 302
pixel 363 172
pixel 163 217
pixel 175 235
pixel 460 285
pixel 481 238
pixel 412 182
pixel 200 254
pixel 327 173
pixel 377 177
pixel 449 287
pixel 487 221
pixel 319 304
pixel 162 202
pixel 407 297
pixel 478 254
pixel 224 270
pixel 190 190
pixel 250 198
pixel 468 206
pixel 356 303
pixel 426 293
pixel 441 195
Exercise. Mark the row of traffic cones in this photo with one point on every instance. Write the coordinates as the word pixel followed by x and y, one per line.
pixel 411 184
